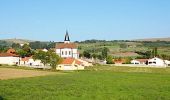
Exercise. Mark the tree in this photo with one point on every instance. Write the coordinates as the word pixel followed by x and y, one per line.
pixel 109 59
pixel 94 55
pixel 123 45
pixel 16 45
pixel 105 52
pixel 25 51
pixel 86 54
pixel 128 60
pixel 48 58
pixel 43 56
pixel 154 52
pixel 54 59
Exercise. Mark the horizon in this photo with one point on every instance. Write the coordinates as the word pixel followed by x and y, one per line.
pixel 85 20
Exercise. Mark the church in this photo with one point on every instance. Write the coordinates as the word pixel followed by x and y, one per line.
pixel 67 49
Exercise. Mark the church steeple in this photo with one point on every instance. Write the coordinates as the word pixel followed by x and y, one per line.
pixel 67 39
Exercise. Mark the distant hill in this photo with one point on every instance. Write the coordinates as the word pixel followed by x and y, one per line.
pixel 20 41
pixel 154 39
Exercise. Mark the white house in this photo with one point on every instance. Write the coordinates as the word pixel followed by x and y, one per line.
pixel 9 58
pixel 29 61
pixel 70 64
pixel 67 49
pixel 167 62
pixel 156 62
pixel 139 61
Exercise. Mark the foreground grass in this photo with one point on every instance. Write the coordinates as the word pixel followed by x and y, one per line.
pixel 91 85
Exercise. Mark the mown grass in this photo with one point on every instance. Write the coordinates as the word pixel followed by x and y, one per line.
pixel 100 84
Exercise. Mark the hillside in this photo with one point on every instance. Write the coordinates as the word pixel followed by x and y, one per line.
pixel 154 39
pixel 20 41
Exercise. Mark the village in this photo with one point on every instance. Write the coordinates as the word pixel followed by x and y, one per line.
pixel 70 59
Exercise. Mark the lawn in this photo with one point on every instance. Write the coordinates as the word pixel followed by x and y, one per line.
pixel 105 84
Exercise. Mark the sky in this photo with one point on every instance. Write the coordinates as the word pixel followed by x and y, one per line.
pixel 48 20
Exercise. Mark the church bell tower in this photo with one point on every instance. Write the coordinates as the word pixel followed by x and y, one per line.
pixel 67 39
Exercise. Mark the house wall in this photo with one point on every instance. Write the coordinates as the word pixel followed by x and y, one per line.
pixel 67 53
pixel 135 62
pixel 31 62
pixel 69 67
pixel 156 62
pixel 9 60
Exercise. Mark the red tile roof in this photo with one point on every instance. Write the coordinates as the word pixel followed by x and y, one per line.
pixel 67 61
pixel 11 50
pixel 26 58
pixel 66 45
pixel 78 62
pixel 70 61
pixel 8 55
pixel 142 60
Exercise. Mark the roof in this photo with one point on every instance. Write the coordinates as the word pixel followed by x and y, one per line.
pixel 11 50
pixel 119 61
pixel 67 36
pixel 8 55
pixel 142 60
pixel 78 62
pixel 70 61
pixel 26 58
pixel 66 45
pixel 67 61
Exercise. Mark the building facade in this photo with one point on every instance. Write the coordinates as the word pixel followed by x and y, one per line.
pixel 67 49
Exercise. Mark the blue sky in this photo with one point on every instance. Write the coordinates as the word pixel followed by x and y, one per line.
pixel 48 20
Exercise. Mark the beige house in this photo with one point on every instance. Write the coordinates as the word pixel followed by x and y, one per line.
pixel 70 64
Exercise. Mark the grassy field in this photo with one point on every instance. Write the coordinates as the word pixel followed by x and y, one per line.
pixel 98 83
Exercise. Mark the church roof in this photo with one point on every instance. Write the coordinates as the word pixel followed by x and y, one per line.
pixel 66 45
pixel 67 37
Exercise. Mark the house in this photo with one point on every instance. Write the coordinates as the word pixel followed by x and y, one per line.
pixel 139 61
pixel 70 64
pixel 67 49
pixel 156 62
pixel 29 61
pixel 9 57
pixel 167 62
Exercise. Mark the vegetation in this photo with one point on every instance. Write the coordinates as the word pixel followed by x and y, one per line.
pixel 99 83
pixel 109 59
pixel 47 58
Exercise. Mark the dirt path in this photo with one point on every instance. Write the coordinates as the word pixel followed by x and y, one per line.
pixel 9 73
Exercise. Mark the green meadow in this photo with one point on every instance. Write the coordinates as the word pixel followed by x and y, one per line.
pixel 97 83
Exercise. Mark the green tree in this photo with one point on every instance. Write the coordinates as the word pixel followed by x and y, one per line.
pixel 43 56
pixel 109 59
pixel 25 51
pixel 16 45
pixel 105 52
pixel 47 58
pixel 86 54
pixel 54 59
pixel 128 60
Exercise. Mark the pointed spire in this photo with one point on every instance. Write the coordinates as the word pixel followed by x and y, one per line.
pixel 67 39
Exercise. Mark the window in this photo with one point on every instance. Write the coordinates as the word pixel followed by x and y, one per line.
pixel 65 52
pixel 62 53
pixel 69 52
pixel 154 62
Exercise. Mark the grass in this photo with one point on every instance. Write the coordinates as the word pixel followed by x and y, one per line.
pixel 98 83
